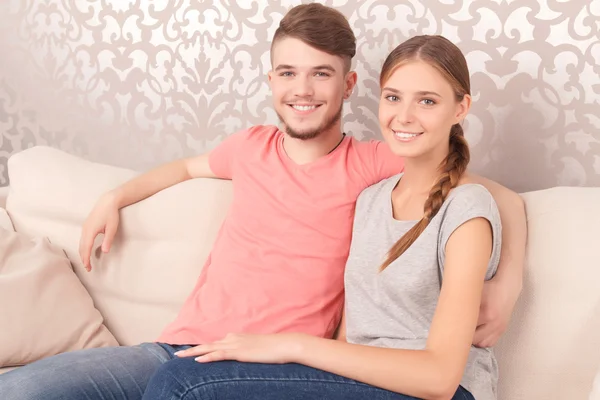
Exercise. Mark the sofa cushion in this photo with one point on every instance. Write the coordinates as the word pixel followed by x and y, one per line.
pixel 157 254
pixel 44 308
pixel 595 393
pixel 552 347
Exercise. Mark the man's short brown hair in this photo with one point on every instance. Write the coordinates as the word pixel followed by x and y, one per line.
pixel 321 27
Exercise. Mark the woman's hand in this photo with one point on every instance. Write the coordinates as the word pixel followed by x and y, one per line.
pixel 273 349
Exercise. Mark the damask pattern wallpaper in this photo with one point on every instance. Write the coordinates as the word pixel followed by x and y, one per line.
pixel 136 83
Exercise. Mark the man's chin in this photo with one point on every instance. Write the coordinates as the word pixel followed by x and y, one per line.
pixel 302 134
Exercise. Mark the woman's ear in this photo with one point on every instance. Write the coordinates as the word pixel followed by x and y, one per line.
pixel 463 108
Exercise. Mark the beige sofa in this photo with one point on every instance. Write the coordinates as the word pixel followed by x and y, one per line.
pixel 551 351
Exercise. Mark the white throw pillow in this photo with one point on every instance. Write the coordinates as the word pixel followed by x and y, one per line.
pixel 44 308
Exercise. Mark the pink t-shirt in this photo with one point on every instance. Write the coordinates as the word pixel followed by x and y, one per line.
pixel 277 264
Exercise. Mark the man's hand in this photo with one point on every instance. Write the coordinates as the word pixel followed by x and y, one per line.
pixel 104 218
pixel 497 303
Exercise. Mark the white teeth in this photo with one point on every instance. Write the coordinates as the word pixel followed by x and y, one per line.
pixel 406 135
pixel 304 108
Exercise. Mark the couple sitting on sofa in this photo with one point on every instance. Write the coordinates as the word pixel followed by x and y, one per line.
pixel 394 245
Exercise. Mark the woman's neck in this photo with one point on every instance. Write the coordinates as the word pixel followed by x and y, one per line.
pixel 420 174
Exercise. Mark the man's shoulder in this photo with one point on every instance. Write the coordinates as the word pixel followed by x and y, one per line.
pixel 382 189
pixel 256 136
pixel 365 145
pixel 261 132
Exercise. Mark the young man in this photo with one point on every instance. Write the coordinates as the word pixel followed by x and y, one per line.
pixel 278 262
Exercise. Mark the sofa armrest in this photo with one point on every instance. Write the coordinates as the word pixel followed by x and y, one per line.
pixel 3 196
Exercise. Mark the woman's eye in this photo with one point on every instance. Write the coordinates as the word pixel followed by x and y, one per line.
pixel 392 98
pixel 428 102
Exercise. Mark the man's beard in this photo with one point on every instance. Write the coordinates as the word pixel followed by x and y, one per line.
pixel 307 135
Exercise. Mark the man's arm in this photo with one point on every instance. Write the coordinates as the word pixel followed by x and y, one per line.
pixel 104 217
pixel 160 178
pixel 500 294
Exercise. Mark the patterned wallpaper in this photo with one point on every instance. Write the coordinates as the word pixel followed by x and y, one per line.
pixel 136 83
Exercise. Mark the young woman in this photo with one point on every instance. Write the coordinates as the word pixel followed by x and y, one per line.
pixel 423 244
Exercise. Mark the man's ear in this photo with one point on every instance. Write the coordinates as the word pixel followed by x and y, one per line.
pixel 350 83
pixel 270 75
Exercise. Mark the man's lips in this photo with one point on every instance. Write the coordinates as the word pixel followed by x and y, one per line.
pixel 303 108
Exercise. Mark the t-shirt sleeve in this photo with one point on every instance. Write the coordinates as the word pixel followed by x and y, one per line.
pixel 224 158
pixel 471 202
pixel 382 163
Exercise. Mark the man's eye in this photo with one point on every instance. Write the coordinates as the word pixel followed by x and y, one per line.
pixel 286 73
pixel 322 74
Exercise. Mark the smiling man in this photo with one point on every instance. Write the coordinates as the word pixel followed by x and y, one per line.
pixel 278 262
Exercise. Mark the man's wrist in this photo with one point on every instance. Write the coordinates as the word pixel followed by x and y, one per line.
pixel 113 198
pixel 511 277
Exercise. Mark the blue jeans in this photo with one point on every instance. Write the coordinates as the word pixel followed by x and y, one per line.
pixel 186 379
pixel 104 373
pixel 151 371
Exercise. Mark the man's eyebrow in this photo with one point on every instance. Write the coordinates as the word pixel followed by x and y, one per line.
pixel 284 66
pixel 322 67
pixel 420 93
pixel 325 67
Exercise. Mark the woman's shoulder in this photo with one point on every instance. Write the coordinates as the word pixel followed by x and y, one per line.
pixel 380 190
pixel 375 199
pixel 466 201
pixel 469 189
pixel 469 196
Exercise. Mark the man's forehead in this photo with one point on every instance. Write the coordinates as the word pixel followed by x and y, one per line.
pixel 297 54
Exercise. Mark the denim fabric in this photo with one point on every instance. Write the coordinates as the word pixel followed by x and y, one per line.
pixel 186 379
pixel 93 374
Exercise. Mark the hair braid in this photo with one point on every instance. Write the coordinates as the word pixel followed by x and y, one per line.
pixel 453 167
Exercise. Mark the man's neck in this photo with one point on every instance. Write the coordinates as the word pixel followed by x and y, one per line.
pixel 307 151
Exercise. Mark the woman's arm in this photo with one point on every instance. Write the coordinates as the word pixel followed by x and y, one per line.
pixel 436 372
pixel 432 373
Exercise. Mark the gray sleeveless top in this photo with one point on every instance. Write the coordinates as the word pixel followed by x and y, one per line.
pixel 394 308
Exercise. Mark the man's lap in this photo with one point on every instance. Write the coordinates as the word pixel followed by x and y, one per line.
pixel 91 373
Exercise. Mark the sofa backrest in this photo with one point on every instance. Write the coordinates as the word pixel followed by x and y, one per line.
pixel 552 347
pixel 159 250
